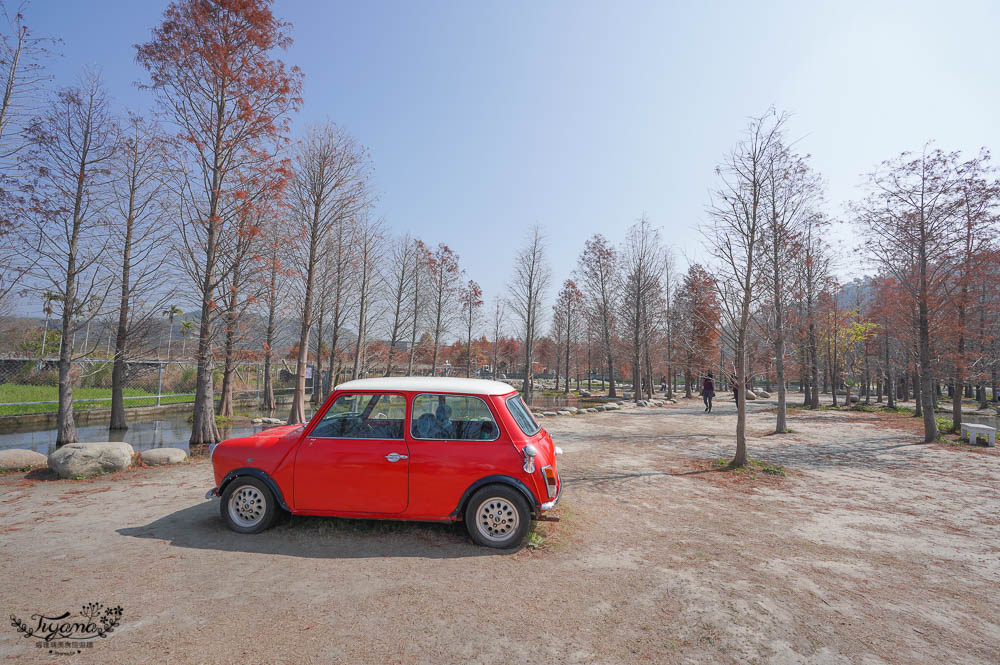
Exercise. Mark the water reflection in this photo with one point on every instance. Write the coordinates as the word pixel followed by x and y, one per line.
pixel 992 421
pixel 542 401
pixel 172 432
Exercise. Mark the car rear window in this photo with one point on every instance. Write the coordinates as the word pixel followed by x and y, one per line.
pixel 522 415
pixel 452 418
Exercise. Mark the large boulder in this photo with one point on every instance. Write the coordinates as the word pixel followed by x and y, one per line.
pixel 585 393
pixel 76 460
pixel 158 456
pixel 763 394
pixel 751 395
pixel 611 407
pixel 16 458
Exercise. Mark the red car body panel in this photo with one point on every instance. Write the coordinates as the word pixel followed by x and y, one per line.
pixel 352 477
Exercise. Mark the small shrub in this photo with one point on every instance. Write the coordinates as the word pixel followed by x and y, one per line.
pixel 98 375
pixel 945 425
pixel 186 382
pixel 30 376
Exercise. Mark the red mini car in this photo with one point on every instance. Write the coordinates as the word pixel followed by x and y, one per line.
pixel 411 448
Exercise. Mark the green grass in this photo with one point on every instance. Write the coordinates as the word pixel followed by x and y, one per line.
pixel 16 392
pixel 536 540
pixel 752 466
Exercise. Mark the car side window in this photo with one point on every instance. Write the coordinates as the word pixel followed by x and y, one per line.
pixel 363 416
pixel 452 418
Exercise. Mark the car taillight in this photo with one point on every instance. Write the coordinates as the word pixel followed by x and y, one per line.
pixel 551 480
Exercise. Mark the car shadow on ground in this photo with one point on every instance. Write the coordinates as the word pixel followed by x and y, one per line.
pixel 201 527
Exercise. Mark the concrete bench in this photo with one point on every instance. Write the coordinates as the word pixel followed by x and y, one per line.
pixel 974 431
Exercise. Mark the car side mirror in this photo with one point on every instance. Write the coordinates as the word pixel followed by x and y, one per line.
pixel 529 452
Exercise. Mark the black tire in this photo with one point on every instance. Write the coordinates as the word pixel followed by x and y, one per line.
pixel 497 516
pixel 248 505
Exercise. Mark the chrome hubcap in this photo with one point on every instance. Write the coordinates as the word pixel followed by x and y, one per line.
pixel 496 519
pixel 247 506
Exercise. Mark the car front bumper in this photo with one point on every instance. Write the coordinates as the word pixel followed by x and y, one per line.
pixel 212 493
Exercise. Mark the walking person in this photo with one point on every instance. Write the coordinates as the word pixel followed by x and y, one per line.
pixel 708 391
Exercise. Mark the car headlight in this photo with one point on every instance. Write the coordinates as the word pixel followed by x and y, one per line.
pixel 211 451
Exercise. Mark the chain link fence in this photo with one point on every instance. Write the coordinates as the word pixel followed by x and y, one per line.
pixel 32 385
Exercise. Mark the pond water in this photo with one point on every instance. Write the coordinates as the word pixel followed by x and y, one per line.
pixel 992 421
pixel 169 432
pixel 543 401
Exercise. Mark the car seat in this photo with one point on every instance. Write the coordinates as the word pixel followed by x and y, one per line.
pixel 426 426
pixel 446 429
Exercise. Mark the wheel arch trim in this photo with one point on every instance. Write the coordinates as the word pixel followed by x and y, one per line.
pixel 498 479
pixel 259 475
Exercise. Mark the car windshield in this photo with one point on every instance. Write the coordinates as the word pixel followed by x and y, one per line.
pixel 522 415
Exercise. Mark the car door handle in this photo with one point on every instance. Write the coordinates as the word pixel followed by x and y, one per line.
pixel 395 457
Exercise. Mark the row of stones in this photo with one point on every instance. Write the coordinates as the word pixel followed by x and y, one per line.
pixel 85 460
pixel 610 406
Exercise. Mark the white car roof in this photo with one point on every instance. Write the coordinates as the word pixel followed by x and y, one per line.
pixel 430 384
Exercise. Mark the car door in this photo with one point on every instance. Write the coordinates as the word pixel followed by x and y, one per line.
pixel 355 459
pixel 454 441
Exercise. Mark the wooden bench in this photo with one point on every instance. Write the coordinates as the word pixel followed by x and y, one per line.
pixel 974 430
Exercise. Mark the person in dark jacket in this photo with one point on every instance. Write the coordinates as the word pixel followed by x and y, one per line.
pixel 708 391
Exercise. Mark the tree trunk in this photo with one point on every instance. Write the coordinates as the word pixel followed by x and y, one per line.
pixel 118 370
pixel 569 328
pixel 318 372
pixel 225 406
pixel 297 414
pixel 269 402
pixel 203 427
pixel 926 377
pixel 740 459
pixel 334 340
pixel 416 317
pixel 609 354
pixel 66 432
pixel 781 424
pixel 363 322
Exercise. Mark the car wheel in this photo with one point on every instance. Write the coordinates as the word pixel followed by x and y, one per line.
pixel 497 516
pixel 248 506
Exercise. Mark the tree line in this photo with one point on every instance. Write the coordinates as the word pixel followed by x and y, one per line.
pixel 213 199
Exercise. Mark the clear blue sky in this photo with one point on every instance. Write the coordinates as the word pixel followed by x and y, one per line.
pixel 484 118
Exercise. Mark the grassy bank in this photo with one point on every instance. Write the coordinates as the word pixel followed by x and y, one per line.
pixel 15 392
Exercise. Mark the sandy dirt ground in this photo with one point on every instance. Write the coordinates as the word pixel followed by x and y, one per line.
pixel 873 549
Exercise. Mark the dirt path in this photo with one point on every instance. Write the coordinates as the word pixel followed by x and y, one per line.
pixel 874 549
